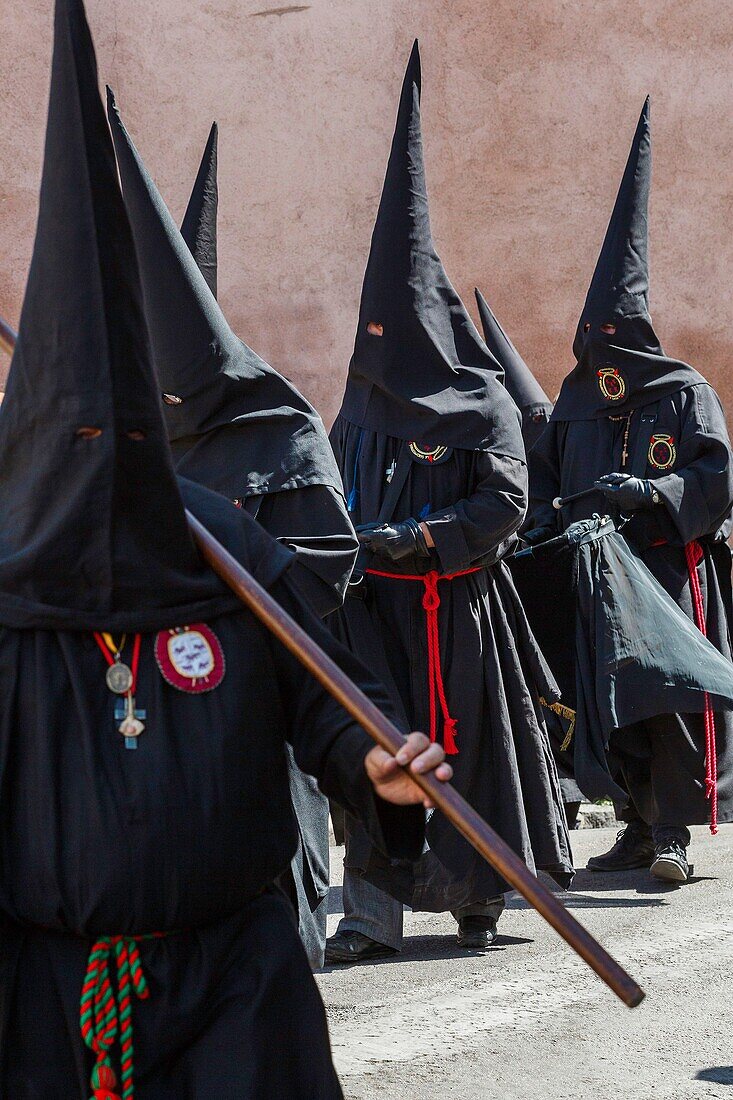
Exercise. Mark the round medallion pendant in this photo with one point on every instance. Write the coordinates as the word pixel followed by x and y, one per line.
pixel 119 678
pixel 662 452
pixel 611 384
pixel 190 658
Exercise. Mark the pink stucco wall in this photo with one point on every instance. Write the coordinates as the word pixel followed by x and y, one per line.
pixel 528 109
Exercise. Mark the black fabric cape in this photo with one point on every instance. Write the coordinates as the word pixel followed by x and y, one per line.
pixel 185 834
pixel 473 501
pixel 198 227
pixel 524 389
pixel 429 377
pixel 231 400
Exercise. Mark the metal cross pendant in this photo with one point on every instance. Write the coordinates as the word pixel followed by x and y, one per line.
pixel 129 717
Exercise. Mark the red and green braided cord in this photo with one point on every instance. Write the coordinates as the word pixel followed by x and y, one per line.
pixel 105 1013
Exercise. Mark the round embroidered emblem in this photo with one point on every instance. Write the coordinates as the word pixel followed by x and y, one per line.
pixel 611 384
pixel 662 452
pixel 430 455
pixel 190 658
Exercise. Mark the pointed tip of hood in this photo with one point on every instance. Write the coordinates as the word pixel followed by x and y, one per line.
pixel 413 72
pixel 519 380
pixel 619 289
pixel 174 287
pixel 199 225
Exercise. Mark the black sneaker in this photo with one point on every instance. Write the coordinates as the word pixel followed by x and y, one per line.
pixel 670 862
pixel 634 848
pixel 474 935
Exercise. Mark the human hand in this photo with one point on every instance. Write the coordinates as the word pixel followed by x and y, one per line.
pixel 393 783
pixel 628 493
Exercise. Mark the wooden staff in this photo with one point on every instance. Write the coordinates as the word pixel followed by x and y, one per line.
pixel 445 797
pixel 7 337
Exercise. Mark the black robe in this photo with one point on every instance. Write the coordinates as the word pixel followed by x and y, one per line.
pixel 681 443
pixel 311 522
pixel 492 669
pixel 185 836
pixel 553 623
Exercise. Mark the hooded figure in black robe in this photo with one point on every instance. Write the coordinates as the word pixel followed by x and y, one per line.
pixel 524 389
pixel 535 407
pixel 240 428
pixel 649 432
pixel 430 449
pixel 136 872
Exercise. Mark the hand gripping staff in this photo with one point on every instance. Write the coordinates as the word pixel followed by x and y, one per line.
pixel 445 797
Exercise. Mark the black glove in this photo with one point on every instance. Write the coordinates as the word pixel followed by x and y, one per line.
pixel 538 534
pixel 630 494
pixel 395 540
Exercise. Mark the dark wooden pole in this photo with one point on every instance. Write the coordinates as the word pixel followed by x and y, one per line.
pixel 447 799
pixel 7 337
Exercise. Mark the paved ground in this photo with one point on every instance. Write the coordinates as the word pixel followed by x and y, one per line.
pixel 529 1020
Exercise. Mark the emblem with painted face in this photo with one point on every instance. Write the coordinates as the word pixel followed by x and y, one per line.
pixel 190 658
pixel 611 384
pixel 662 452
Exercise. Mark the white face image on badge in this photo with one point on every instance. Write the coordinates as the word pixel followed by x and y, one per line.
pixel 191 655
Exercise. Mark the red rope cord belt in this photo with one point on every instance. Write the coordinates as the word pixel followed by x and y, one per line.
pixel 694 553
pixel 436 686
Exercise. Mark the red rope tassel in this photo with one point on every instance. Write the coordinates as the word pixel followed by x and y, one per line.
pixel 693 554
pixel 436 685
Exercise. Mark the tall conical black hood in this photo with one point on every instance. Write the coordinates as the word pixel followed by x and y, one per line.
pixel 240 427
pixel 523 387
pixel 619 288
pixel 198 228
pixel 622 369
pixel 429 376
pixel 93 532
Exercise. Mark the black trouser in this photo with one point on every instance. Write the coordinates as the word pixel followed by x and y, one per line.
pixel 660 834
